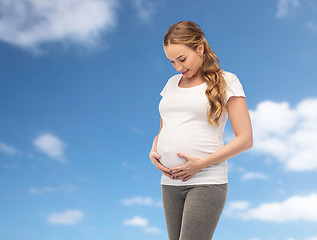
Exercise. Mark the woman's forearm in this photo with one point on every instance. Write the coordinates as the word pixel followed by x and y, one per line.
pixel 231 149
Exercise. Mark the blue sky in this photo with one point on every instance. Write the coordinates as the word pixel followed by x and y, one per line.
pixel 79 94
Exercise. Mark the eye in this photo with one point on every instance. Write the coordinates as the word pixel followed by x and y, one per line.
pixel 182 60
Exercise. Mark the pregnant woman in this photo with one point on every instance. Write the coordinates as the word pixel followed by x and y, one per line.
pixel 189 148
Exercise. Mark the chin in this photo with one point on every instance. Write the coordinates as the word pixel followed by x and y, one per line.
pixel 191 75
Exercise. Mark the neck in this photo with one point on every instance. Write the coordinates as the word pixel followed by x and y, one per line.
pixel 195 78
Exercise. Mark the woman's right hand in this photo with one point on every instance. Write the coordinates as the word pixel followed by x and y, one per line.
pixel 154 156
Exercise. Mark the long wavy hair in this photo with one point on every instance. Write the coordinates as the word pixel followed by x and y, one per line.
pixel 189 33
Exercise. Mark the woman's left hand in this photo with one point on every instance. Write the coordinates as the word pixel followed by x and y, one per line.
pixel 187 170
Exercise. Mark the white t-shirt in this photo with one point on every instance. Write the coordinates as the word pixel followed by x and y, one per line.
pixel 186 129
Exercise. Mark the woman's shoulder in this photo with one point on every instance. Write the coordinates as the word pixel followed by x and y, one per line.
pixel 171 83
pixel 174 78
pixel 229 76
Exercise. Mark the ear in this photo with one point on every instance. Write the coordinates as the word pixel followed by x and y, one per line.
pixel 200 49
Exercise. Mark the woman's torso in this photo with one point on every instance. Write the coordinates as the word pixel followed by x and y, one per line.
pixel 186 129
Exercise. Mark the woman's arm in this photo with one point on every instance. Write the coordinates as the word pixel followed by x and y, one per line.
pixel 154 145
pixel 154 156
pixel 242 128
pixel 241 123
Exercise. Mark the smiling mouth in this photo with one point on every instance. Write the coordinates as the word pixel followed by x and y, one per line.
pixel 185 71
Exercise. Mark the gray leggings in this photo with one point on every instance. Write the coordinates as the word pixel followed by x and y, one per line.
pixel 193 211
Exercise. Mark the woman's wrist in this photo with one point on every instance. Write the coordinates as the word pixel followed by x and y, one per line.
pixel 206 161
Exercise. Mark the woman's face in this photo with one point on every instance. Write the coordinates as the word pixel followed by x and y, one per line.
pixel 184 59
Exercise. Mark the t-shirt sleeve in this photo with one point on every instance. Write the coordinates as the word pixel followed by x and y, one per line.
pixel 165 88
pixel 234 87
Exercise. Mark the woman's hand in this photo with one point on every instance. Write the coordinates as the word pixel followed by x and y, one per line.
pixel 192 166
pixel 154 156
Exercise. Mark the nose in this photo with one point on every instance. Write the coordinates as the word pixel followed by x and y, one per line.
pixel 178 67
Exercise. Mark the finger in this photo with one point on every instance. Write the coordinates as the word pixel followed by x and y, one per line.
pixel 167 174
pixel 182 155
pixel 176 169
pixel 161 167
pixel 186 178
pixel 179 175
pixel 155 155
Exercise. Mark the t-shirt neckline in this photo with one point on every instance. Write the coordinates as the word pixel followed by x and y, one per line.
pixel 179 79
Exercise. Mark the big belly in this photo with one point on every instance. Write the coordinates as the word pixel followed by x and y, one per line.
pixel 169 144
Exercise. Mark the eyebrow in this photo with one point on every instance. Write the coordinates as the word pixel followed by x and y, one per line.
pixel 177 57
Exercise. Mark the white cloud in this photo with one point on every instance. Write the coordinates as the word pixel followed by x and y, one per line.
pixel 152 230
pixel 311 238
pixel 288 134
pixel 308 9
pixel 286 7
pixel 141 201
pixel 69 217
pixel 136 221
pixel 253 175
pixel 38 191
pixel 51 146
pixel 142 222
pixel 7 149
pixel 29 23
pixel 292 209
pixel 47 189
pixel 238 205
pixel 145 9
